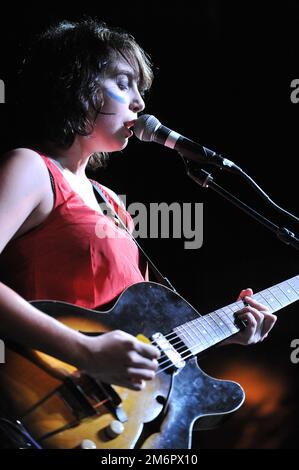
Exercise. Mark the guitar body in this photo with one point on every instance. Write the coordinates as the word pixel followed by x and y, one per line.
pixel 38 390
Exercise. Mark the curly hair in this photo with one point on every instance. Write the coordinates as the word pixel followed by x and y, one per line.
pixel 61 78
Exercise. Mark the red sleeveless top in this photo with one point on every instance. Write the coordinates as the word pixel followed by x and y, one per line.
pixel 77 254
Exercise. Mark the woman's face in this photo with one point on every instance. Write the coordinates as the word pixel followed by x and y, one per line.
pixel 122 102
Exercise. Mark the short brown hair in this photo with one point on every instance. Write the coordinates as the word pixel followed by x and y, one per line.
pixel 60 77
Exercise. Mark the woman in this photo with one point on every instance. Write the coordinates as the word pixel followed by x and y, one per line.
pixel 83 83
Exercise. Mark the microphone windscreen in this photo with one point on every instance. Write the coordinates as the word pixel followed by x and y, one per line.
pixel 145 127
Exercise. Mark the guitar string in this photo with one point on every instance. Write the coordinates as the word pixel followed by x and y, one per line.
pixel 192 348
pixel 180 337
pixel 256 297
pixel 200 343
pixel 183 348
pixel 206 344
pixel 187 356
pixel 188 352
pixel 215 312
pixel 203 318
pixel 174 364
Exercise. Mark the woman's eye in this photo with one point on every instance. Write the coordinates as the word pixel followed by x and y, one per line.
pixel 122 86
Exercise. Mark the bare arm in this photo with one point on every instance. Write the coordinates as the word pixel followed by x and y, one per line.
pixel 115 357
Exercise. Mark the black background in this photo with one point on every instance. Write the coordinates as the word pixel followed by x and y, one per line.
pixel 223 73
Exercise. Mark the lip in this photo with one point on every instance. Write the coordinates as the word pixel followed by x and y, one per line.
pixel 129 124
pixel 128 132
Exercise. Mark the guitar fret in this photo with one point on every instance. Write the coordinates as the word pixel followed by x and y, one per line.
pixel 189 338
pixel 215 330
pixel 204 329
pixel 270 299
pixel 277 294
pixel 226 319
pixel 216 327
pixel 282 294
pixel 222 324
pixel 195 344
pixel 231 309
pixel 209 321
pixel 199 334
pixel 290 292
pixel 261 298
pixel 294 282
pixel 231 322
pixel 217 334
pixel 235 307
pixel 207 330
pixel 201 331
pixel 281 298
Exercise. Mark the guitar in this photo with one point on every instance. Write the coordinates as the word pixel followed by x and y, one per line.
pixel 62 408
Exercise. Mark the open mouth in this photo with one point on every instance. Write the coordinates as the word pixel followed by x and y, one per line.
pixel 127 126
pixel 129 133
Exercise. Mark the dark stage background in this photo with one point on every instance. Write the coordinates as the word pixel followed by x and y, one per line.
pixel 223 74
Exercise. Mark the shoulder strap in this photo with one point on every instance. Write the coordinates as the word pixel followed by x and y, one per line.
pixel 158 275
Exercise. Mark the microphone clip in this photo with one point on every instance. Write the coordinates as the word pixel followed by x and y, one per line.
pixel 196 173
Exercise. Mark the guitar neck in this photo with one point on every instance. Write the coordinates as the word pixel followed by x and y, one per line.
pixel 208 330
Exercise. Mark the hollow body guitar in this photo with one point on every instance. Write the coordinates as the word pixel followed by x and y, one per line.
pixel 62 408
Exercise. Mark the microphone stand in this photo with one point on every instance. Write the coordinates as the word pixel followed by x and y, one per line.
pixel 206 180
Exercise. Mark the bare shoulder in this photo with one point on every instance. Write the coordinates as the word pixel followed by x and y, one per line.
pixel 22 158
pixel 24 186
pixel 23 171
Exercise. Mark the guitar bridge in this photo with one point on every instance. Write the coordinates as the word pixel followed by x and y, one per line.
pixel 85 396
pixel 168 349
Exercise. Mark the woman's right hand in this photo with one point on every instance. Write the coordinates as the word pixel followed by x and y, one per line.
pixel 121 359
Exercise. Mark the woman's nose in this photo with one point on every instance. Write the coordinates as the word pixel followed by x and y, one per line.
pixel 137 104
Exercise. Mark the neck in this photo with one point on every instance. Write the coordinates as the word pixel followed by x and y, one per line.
pixel 73 159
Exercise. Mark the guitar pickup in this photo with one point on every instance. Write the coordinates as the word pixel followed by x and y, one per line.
pixel 170 352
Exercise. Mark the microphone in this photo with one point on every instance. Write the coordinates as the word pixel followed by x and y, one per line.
pixel 149 129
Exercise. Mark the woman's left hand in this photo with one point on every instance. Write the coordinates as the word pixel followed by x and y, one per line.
pixel 259 321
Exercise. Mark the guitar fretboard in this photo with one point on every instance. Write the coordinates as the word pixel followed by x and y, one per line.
pixel 208 330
